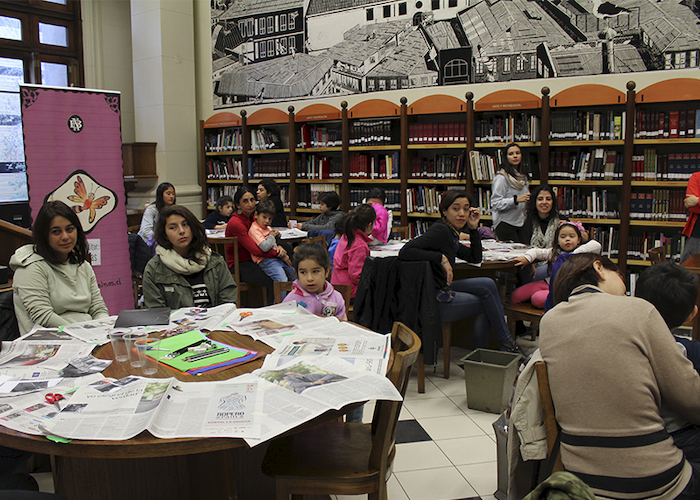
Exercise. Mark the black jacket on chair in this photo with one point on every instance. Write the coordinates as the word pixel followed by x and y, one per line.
pixel 394 290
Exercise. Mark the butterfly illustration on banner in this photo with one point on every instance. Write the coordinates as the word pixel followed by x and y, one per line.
pixel 90 205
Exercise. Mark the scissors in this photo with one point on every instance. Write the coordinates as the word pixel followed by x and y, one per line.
pixel 54 398
pixel 245 315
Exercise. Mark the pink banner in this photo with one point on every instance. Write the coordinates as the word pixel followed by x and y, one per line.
pixel 72 145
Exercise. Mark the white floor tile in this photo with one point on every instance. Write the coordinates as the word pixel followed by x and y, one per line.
pixel 405 414
pixel 455 372
pixel 454 386
pixel 432 407
pixel 484 420
pixel 393 489
pixel 431 391
pixel 482 477
pixel 435 484
pixel 418 456
pixel 469 450
pixel 450 427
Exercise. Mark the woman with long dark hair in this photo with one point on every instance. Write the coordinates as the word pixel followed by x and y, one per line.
pixel 165 196
pixel 541 222
pixel 509 193
pixel 467 297
pixel 238 226
pixel 269 190
pixel 54 283
pixel 185 272
pixel 612 364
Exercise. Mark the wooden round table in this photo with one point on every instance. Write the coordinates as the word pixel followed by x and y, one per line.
pixel 151 468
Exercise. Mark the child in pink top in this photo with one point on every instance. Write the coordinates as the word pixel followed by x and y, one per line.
pixel 352 250
pixel 311 290
pixel 277 268
pixel 380 231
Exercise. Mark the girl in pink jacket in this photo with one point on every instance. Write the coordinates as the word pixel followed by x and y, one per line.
pixel 352 250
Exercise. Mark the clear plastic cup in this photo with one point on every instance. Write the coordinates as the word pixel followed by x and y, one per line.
pixel 118 346
pixel 129 339
pixel 149 353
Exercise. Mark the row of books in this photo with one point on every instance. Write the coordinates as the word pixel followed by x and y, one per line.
pixel 320 167
pixel 373 133
pixel 374 166
pixel 216 192
pixel 651 166
pixel 638 246
pixel 677 124
pixel 264 138
pixel 437 133
pixel 393 198
pixel 587 125
pixel 275 168
pixel 483 199
pixel 575 202
pixel 319 136
pixel 440 166
pixel 660 204
pixel 307 194
pixel 418 227
pixel 485 166
pixel 228 139
pixel 583 164
pixel 423 199
pixel 224 169
pixel 609 239
pixel 512 127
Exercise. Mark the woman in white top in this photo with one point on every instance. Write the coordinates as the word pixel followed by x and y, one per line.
pixel 165 196
pixel 509 193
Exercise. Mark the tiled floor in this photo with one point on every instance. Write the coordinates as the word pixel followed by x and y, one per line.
pixel 444 450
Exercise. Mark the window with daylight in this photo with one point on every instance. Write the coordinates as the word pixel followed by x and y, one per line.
pixel 39 44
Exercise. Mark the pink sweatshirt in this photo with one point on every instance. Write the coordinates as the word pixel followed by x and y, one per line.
pixel 380 230
pixel 348 262
pixel 329 302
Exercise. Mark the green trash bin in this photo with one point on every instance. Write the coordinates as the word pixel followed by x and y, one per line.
pixel 489 377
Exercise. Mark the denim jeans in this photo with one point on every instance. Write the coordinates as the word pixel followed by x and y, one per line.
pixel 277 269
pixel 477 297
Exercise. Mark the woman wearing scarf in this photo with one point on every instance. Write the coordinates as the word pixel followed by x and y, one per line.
pixel 509 193
pixel 185 272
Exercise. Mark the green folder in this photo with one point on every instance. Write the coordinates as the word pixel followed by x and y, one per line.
pixel 181 362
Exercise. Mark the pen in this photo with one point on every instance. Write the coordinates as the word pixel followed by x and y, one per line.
pixel 183 350
pixel 197 357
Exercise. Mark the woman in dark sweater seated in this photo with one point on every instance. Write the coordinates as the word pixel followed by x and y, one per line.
pixel 269 190
pixel 467 297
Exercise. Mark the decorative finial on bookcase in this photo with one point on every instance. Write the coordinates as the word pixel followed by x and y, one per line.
pixel 631 85
pixel 545 90
pixel 469 96
pixel 243 113
pixel 344 104
pixel 403 100
pixel 290 109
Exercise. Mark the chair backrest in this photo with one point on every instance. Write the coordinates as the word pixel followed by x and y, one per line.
pixel 320 240
pixel 657 255
pixel 551 428
pixel 405 346
pixel 403 232
pixel 221 246
pixel 286 286
pixel 13 237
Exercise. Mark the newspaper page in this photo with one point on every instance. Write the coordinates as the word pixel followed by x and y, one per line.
pixel 29 412
pixel 39 359
pixel 230 408
pixel 307 387
pixel 367 353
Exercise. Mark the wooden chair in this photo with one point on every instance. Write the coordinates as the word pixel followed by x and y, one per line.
pixel 400 232
pixel 551 428
pixel 525 312
pixel 657 255
pixel 220 245
pixel 315 239
pixel 286 286
pixel 346 458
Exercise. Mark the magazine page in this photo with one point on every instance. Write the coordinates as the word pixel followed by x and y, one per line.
pixel 39 359
pixel 94 331
pixel 229 408
pixel 110 409
pixel 29 412
pixel 39 334
pixel 367 353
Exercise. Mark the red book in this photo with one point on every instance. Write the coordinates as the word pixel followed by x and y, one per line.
pixel 673 119
pixel 682 123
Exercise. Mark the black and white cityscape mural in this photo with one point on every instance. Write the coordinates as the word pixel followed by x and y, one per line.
pixel 272 50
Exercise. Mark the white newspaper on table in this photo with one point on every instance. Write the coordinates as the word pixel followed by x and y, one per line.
pixel 39 359
pixel 168 408
pixel 366 351
pixel 501 250
pixel 29 412
pixel 290 234
pixel 307 387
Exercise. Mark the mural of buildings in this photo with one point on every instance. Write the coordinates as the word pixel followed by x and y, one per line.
pixel 283 49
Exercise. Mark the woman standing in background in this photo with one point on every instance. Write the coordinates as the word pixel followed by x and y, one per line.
pixel 509 193
pixel 165 196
